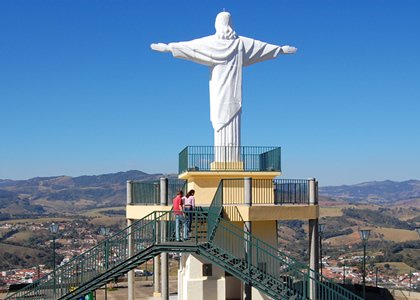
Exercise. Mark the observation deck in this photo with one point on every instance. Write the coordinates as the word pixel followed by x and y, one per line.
pixel 221 172
pixel 229 159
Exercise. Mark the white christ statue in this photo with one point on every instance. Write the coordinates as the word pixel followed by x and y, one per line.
pixel 225 53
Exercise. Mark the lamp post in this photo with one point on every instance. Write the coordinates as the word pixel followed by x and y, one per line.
pixel 321 228
pixel 364 236
pixel 410 276
pixel 344 272
pixel 105 232
pixel 54 231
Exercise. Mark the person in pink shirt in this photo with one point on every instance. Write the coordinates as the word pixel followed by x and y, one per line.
pixel 179 215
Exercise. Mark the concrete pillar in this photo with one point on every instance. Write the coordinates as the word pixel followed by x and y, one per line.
pixel 156 274
pixel 163 192
pixel 130 278
pixel 157 265
pixel 248 228
pixel 313 244
pixel 164 256
pixel 248 191
pixel 165 276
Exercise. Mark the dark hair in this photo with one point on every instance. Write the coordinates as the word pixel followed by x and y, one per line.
pixel 190 193
pixel 180 193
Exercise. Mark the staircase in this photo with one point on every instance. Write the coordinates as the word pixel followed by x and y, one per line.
pixel 226 245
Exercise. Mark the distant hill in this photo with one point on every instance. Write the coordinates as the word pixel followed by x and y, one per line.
pixel 62 194
pixel 374 191
pixel 41 196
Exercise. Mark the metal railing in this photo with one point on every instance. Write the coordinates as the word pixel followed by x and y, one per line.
pixel 237 251
pixel 230 158
pixel 267 191
pixel 291 191
pixel 216 208
pixel 109 259
pixel 269 269
pixel 148 192
pixel 264 191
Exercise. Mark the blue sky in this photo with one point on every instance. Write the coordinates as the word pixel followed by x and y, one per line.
pixel 81 92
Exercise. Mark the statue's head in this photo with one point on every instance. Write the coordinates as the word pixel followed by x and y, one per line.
pixel 224 27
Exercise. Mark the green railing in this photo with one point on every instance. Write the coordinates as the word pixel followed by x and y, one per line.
pixel 267 191
pixel 215 209
pixel 229 158
pixel 264 191
pixel 291 191
pixel 148 192
pixel 236 251
pixel 109 259
pixel 270 270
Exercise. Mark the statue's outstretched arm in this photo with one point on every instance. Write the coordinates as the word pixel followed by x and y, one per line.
pixel 288 49
pixel 161 47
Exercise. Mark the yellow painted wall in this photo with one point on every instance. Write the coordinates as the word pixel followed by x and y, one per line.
pixel 205 185
pixel 137 212
pixel 264 230
pixel 240 212
pixel 270 212
pixel 205 188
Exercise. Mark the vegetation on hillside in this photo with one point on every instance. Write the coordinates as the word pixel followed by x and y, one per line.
pixel 382 218
pixel 89 202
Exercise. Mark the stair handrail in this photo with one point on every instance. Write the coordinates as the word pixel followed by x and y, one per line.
pixel 216 208
pixel 98 250
pixel 287 271
pixel 288 263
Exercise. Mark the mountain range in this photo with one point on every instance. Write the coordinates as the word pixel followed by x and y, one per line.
pixel 67 195
pixel 374 191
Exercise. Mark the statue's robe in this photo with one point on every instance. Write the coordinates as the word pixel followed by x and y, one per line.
pixel 225 58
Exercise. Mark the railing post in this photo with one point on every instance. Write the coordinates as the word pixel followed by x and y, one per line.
pixel 313 245
pixel 196 226
pixel 130 277
pixel 106 264
pixel 82 268
pixel 54 266
pixel 164 255
pixel 247 237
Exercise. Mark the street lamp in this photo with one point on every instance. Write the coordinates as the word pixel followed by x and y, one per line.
pixel 54 230
pixel 410 276
pixel 105 232
pixel 344 271
pixel 321 228
pixel 364 236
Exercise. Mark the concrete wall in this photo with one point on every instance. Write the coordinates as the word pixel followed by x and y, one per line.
pixel 196 286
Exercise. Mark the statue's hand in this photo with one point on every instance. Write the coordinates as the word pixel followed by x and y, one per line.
pixel 161 47
pixel 288 49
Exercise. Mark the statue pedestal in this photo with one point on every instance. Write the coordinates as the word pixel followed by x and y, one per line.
pixel 228 165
